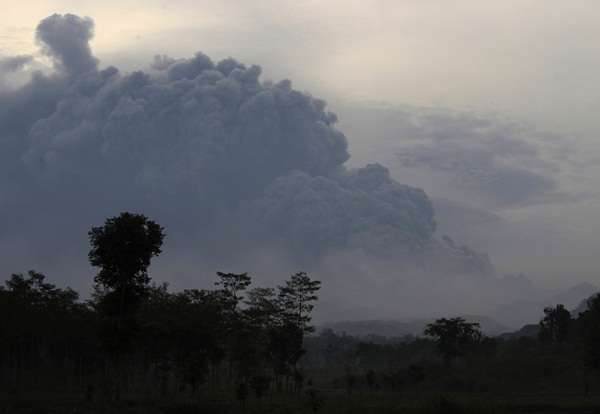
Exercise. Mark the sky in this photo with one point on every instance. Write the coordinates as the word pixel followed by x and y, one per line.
pixel 491 105
pixel 528 58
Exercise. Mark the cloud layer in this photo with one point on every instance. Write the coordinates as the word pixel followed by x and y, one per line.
pixel 483 160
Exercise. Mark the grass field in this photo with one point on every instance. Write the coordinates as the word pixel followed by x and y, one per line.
pixel 314 399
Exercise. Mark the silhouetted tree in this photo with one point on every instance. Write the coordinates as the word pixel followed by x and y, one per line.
pixel 262 316
pixel 233 284
pixel 132 333
pixel 122 248
pixel 590 320
pixel 296 300
pixel 555 325
pixel 263 307
pixel 453 337
pixel 42 326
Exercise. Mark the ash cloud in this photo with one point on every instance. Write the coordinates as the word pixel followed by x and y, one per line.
pixel 547 232
pixel 14 63
pixel 65 38
pixel 361 208
pixel 229 164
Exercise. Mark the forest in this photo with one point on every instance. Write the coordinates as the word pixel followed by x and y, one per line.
pixel 136 347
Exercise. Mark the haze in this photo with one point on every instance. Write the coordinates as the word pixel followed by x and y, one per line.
pixel 489 107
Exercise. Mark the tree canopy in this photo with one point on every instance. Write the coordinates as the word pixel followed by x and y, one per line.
pixel 454 337
pixel 123 248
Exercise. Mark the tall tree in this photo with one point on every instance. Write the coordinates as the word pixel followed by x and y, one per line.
pixel 555 325
pixel 296 299
pixel 233 284
pixel 263 308
pixel 122 248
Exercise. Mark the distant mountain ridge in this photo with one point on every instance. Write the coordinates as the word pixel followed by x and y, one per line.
pixel 504 322
pixel 390 328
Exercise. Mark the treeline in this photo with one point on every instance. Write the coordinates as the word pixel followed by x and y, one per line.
pixel 235 347
pixel 561 353
pixel 136 338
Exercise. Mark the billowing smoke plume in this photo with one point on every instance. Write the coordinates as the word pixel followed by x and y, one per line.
pixel 362 208
pixel 226 162
pixel 66 40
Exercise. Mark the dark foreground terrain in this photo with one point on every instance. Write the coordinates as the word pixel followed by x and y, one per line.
pixel 329 400
pixel 135 347
pixel 338 374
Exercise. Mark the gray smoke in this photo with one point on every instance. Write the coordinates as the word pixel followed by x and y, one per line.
pixel 227 163
pixel 65 38
pixel 362 208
